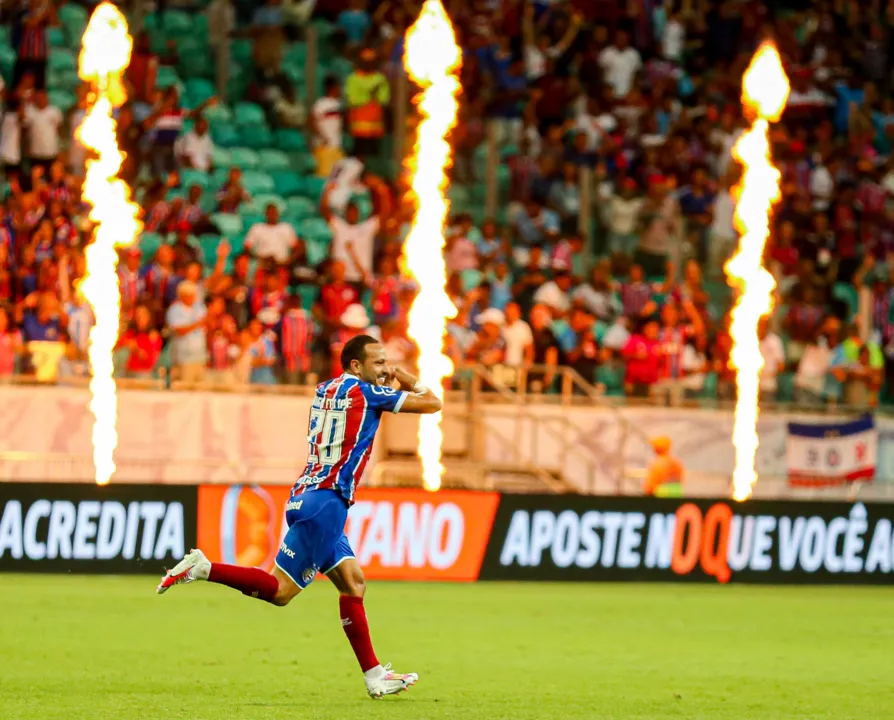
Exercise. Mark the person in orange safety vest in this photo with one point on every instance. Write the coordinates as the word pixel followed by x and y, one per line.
pixel 367 93
pixel 664 478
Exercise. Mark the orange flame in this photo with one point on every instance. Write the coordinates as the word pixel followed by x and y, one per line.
pixel 765 91
pixel 432 61
pixel 105 54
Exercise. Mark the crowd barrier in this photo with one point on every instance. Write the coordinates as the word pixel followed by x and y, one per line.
pixel 454 535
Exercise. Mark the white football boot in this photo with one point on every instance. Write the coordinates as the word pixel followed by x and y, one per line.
pixel 193 566
pixel 389 682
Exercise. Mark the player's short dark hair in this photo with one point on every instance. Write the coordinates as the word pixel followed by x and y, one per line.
pixel 355 349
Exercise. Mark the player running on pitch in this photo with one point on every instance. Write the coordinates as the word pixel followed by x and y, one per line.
pixel 343 421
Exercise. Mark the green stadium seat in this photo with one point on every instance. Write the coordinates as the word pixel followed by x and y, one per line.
pixel 709 389
pixel 257 137
pixel 167 77
pixel 158 41
pixel 208 244
pixel 256 182
pixel 61 59
pixel 248 113
pixel 313 188
pixel 250 218
pixel 274 160
pixel 237 86
pixel 612 378
pixel 4 35
pixel 245 158
pixel 198 90
pixel 196 63
pixel 308 295
pixel 785 387
pixel 200 26
pixel 63 100
pixel 296 54
pixel 340 66
pixel 300 208
pixel 225 134
pixel 175 193
pixel 56 37
pixel 264 199
pixel 302 161
pixel 72 13
pixel 228 223
pixel 287 183
pixel 471 279
pixel 221 112
pixel 67 80
pixel 177 22
pixel 241 52
pixel 191 176
pixel 849 295
pixel 221 158
pixel 219 176
pixel 149 243
pixel 208 201
pixel 289 139
pixel 317 250
pixel 315 229
pixel 237 244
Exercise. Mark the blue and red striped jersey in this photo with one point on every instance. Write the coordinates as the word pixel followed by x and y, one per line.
pixel 343 421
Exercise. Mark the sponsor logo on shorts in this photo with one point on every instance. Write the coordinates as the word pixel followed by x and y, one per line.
pixel 285 550
pixel 294 505
pixel 308 574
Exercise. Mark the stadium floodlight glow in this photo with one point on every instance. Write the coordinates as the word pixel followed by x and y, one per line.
pixel 765 90
pixel 432 60
pixel 105 54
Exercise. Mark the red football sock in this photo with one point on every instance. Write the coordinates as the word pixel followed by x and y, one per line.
pixel 253 582
pixel 353 621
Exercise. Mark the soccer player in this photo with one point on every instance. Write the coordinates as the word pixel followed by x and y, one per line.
pixel 344 417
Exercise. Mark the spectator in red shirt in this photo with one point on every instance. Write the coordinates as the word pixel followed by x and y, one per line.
pixel 336 296
pixel 10 344
pixel 296 339
pixel 642 354
pixel 144 343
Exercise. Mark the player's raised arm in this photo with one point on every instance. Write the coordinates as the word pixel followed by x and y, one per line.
pixel 420 400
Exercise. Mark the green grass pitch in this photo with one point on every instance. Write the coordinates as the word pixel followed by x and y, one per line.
pixel 93 648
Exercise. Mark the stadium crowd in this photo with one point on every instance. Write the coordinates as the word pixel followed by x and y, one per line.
pixel 273 229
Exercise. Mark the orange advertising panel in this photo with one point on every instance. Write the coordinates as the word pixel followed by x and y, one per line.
pixel 396 534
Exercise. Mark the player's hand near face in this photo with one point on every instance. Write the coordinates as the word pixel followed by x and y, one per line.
pixel 403 378
pixel 421 399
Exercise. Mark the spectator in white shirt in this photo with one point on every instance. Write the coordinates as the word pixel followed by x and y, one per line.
pixel 327 123
pixel 352 241
pixel 620 63
pixel 673 39
pixel 623 217
pixel 554 293
pixel 272 239
pixel 196 147
pixel 186 319
pixel 812 377
pixel 773 353
pixel 11 138
pixel 43 121
pixel 822 185
pixel 722 236
pixel 518 337
pixel 538 49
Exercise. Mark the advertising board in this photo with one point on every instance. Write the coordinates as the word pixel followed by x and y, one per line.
pixel 85 528
pixel 592 538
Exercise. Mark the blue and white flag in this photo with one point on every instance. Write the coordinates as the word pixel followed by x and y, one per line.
pixel 831 453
